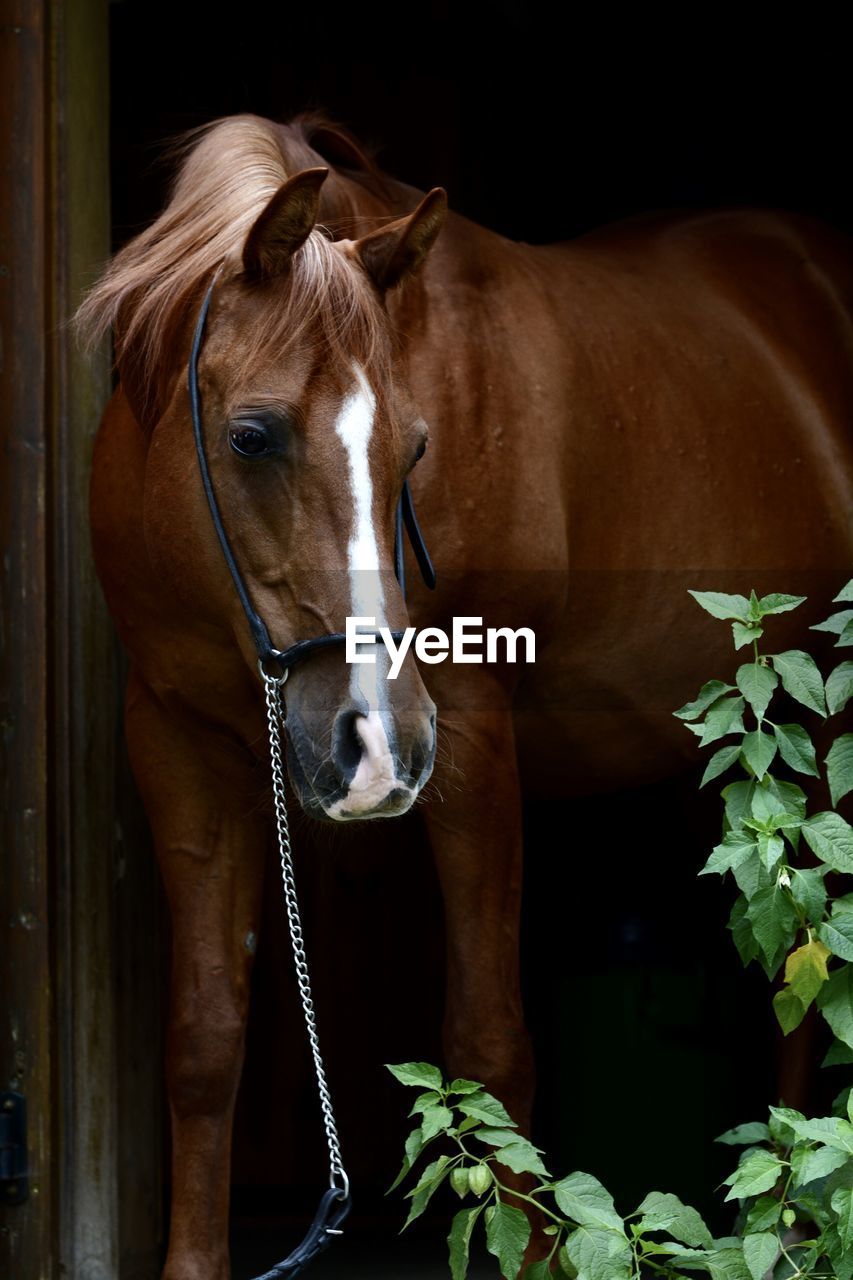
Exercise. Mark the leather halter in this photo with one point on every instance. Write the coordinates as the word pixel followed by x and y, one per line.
pixel 405 518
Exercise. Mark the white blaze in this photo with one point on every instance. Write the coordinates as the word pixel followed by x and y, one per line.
pixel 375 776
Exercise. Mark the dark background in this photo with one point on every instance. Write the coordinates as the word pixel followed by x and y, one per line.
pixel 541 122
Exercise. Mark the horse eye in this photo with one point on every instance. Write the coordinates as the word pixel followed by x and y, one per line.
pixel 421 450
pixel 250 441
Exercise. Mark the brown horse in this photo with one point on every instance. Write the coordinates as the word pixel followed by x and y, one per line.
pixel 661 404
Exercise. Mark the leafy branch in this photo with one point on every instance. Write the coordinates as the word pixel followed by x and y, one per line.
pixel 794 1179
pixel 791 1171
pixel 783 899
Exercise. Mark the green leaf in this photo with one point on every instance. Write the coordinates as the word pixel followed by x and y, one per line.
pixel 465 1086
pixel 792 796
pixel 844 1102
pixel 776 603
pixel 841 1258
pixel 752 875
pixel 719 762
pixel 846 636
pixel 538 1271
pixel 720 605
pixel 811 1163
pixel 770 849
pixel 763 1215
pixel 835 1002
pixel 809 892
pixel 504 1138
pixel 522 1158
pixel 708 694
pixel 796 748
pixel 805 970
pixel 782 1120
pixel 735 849
pixel 728 1264
pixel 738 800
pixel 831 838
pixel 724 717
pixel 414 1146
pixel 833 1131
pixel 845 594
pixel 598 1253
pixel 801 678
pixel 744 1135
pixel 789 1009
pixel 835 624
pixel 839 687
pixel 774 922
pixel 757 683
pixel 507 1234
pixel 765 802
pixel 787 823
pixel 482 1106
pixel 758 751
pixel 435 1119
pixel 459 1240
pixel 745 633
pixel 430 1180
pixel 424 1100
pixel 663 1212
pixel 758 1171
pixel 760 1251
pixel 839 767
pixel 838 1055
pixel 420 1074
pixel 583 1199
pixel 741 930
pixel 842 1203
pixel 837 934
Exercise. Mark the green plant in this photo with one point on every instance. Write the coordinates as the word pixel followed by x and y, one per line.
pixel 784 898
pixel 793 1171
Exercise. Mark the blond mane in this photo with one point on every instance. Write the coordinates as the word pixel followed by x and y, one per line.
pixel 228 172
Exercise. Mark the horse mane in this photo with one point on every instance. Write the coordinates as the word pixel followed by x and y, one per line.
pixel 228 171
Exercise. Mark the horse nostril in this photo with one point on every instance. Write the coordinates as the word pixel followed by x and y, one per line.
pixel 347 746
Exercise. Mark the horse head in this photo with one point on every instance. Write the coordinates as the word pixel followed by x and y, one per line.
pixel 312 440
pixel 310 431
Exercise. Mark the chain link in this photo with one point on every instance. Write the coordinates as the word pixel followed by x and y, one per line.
pixel 275 720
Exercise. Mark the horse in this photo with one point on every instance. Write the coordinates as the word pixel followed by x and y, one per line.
pixel 588 428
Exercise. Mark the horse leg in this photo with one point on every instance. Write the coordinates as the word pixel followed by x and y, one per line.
pixel 476 836
pixel 210 848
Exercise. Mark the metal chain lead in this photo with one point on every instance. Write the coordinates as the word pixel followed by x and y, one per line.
pixel 275 718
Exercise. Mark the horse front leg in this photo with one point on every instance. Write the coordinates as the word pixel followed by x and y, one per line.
pixel 475 831
pixel 210 847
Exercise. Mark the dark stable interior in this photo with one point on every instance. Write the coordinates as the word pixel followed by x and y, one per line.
pixel 650 1038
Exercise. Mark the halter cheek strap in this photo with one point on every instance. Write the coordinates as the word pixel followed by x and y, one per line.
pixel 405 519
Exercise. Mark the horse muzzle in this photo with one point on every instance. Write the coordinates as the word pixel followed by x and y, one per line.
pixel 371 770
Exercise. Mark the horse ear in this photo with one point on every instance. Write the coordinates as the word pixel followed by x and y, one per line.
pixel 284 225
pixel 392 253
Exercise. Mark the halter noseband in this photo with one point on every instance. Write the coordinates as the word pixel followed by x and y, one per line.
pixel 405 518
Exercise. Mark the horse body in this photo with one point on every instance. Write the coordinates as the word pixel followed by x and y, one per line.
pixel 661 404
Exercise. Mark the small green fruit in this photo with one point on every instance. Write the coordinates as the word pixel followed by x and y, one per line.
pixel 479 1179
pixel 459 1181
pixel 789 1217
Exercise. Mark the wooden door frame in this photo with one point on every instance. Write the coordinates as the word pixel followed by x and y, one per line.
pixel 73 959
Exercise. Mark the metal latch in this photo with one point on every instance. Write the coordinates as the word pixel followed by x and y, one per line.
pixel 14 1182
